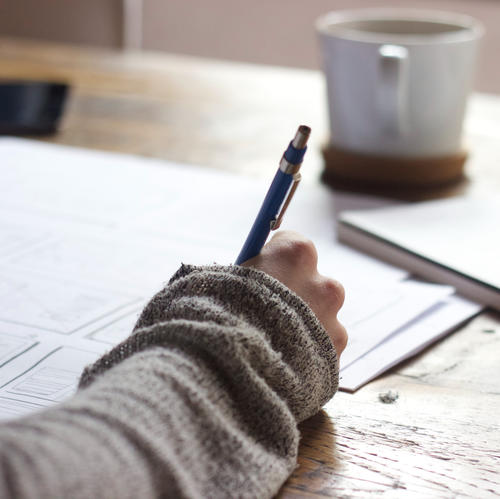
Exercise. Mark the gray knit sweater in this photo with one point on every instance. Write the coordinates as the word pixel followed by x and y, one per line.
pixel 202 400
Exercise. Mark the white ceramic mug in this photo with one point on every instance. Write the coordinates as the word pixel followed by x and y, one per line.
pixel 398 79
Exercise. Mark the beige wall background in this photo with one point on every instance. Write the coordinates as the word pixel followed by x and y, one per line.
pixel 278 32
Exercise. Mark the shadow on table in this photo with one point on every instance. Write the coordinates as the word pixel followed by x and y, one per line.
pixel 317 460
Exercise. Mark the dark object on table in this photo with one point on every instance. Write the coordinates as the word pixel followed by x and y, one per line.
pixel 31 107
pixel 389 397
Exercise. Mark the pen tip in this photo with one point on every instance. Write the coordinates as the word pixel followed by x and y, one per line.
pixel 301 137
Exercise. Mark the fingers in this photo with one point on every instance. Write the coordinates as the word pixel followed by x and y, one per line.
pixel 330 292
pixel 338 335
pixel 292 259
pixel 326 297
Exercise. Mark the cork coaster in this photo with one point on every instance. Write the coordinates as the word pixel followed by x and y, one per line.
pixel 379 174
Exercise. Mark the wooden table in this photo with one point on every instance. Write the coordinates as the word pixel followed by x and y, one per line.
pixel 441 438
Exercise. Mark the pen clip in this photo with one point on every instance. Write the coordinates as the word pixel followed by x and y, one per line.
pixel 275 224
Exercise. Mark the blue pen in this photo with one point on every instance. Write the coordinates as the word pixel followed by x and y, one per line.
pixel 285 182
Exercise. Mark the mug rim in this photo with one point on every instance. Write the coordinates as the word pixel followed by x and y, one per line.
pixel 469 28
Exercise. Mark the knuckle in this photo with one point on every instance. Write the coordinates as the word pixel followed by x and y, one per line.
pixel 305 252
pixel 341 339
pixel 333 292
pixel 301 252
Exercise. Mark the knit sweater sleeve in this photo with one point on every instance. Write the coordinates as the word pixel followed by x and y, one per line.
pixel 202 400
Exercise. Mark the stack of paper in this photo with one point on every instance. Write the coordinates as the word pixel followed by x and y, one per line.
pixel 87 237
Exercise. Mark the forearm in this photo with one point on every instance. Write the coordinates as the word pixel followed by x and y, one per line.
pixel 202 400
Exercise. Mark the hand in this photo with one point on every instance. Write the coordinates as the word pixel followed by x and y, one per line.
pixel 292 259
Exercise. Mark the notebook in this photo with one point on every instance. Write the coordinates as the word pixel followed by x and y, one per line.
pixel 454 241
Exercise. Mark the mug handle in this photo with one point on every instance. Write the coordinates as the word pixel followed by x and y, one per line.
pixel 392 93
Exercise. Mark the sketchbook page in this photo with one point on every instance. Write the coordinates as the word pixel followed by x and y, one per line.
pixel 437 322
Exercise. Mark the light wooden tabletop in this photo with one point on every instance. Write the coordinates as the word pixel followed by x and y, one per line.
pixel 441 438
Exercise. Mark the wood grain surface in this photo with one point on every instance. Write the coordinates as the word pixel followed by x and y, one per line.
pixel 441 437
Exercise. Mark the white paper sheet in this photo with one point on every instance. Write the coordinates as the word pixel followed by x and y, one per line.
pixel 430 326
pixel 396 306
